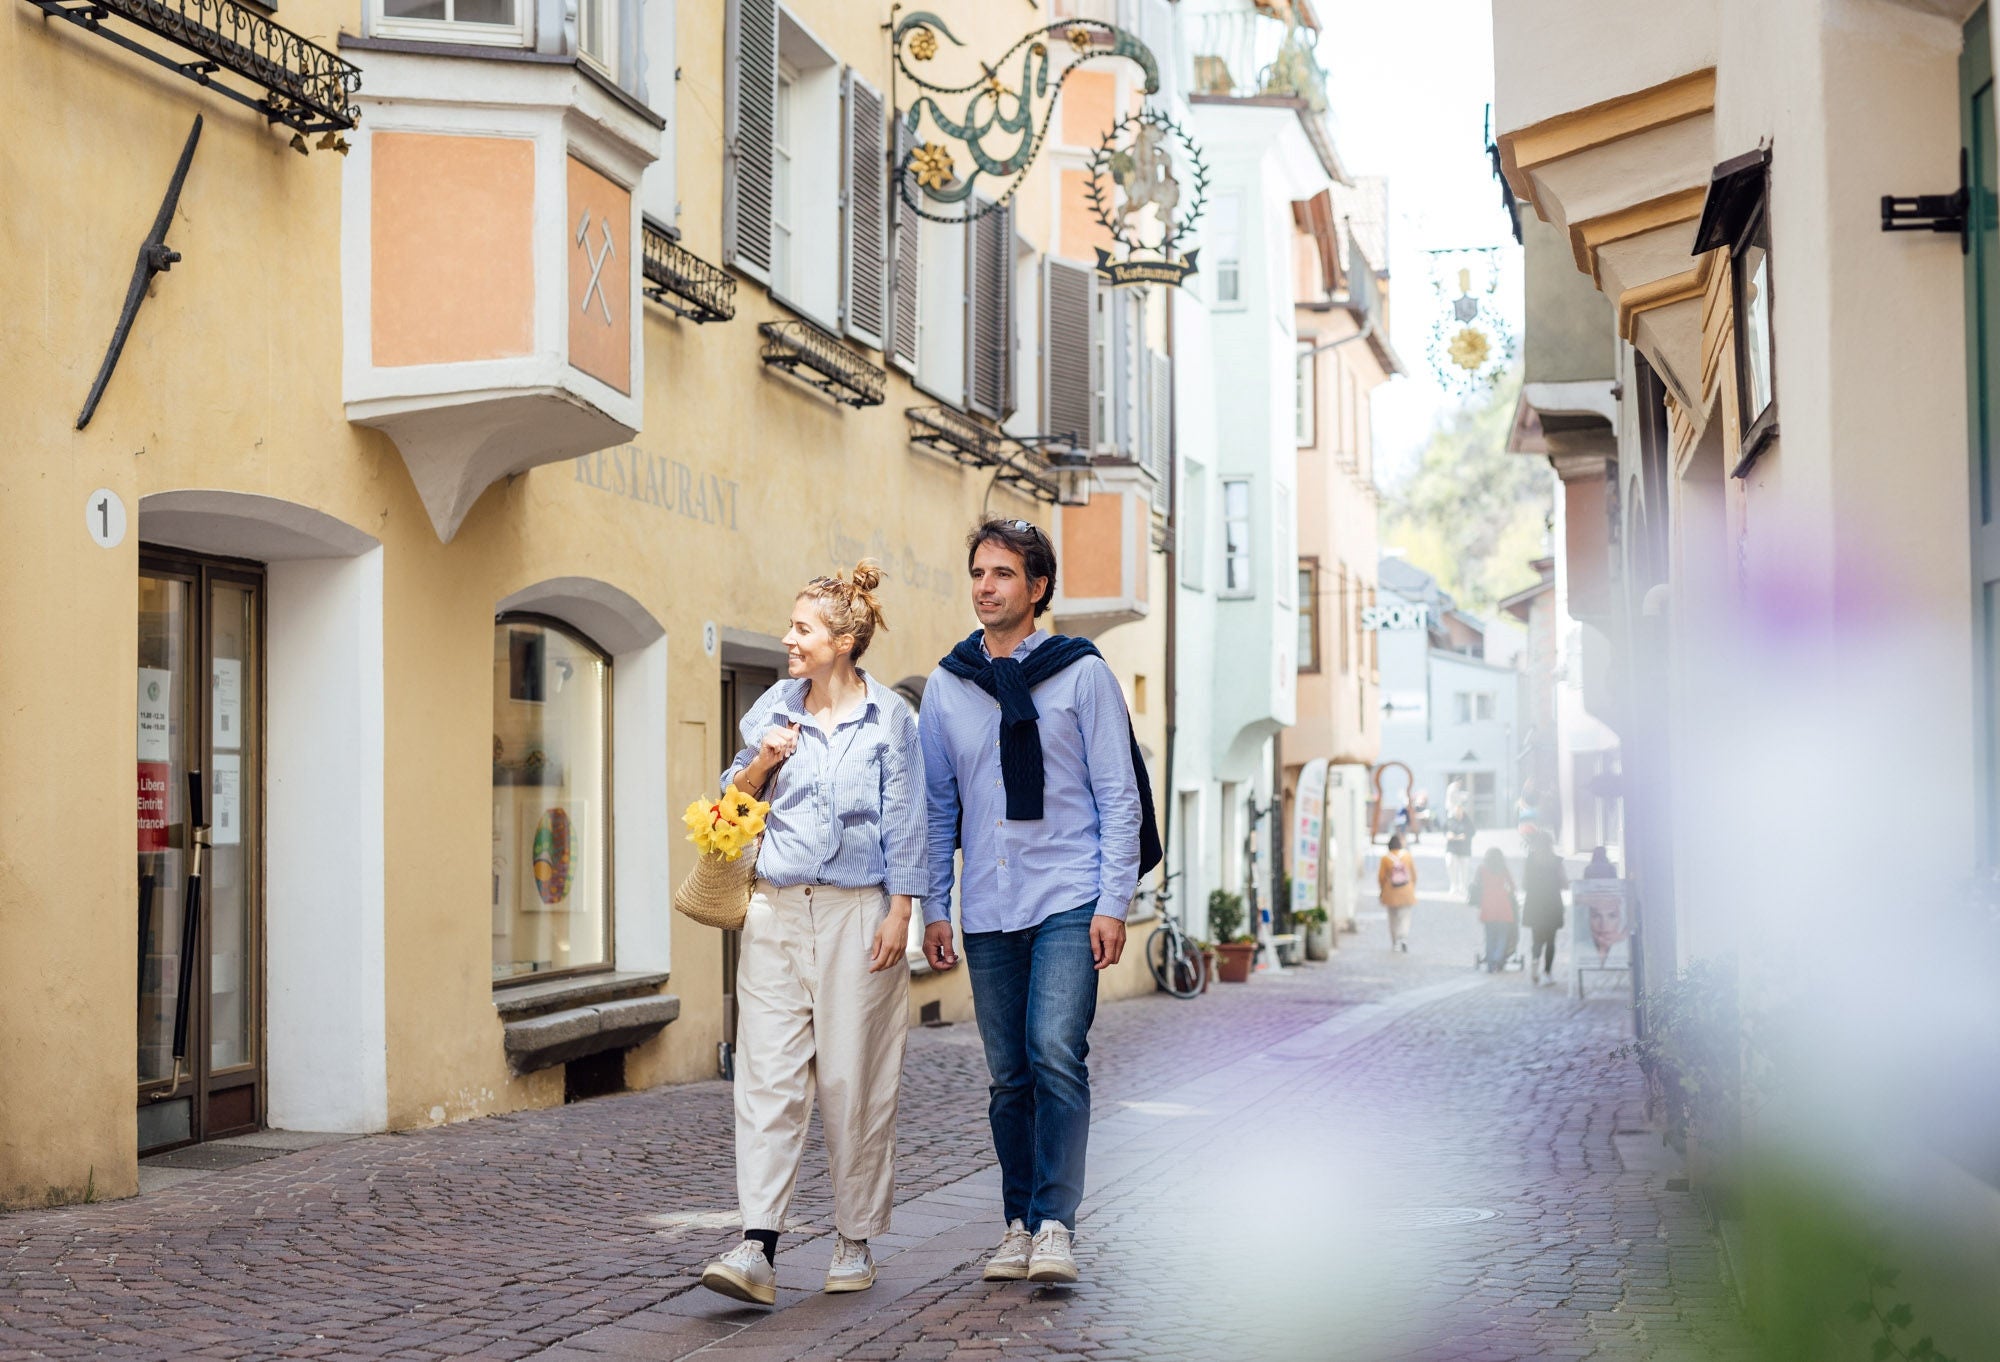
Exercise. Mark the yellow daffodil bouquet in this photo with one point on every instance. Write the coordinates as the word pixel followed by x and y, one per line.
pixel 717 891
pixel 724 827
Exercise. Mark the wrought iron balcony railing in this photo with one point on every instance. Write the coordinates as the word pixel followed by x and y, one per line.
pixel 818 359
pixel 685 284
pixel 303 85
pixel 1245 49
pixel 1020 461
pixel 956 436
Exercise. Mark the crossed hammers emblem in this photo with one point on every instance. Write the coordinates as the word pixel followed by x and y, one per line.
pixel 596 259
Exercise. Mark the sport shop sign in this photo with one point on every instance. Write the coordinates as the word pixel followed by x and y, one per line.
pixel 1398 616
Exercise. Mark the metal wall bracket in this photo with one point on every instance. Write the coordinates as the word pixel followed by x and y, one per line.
pixel 1933 212
pixel 154 258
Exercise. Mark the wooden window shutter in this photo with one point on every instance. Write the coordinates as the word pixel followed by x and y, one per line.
pixel 1069 387
pixel 901 350
pixel 750 111
pixel 989 328
pixel 865 212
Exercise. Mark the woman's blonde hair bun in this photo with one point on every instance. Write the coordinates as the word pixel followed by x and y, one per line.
pixel 848 605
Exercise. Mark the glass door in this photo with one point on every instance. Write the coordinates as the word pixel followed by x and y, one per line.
pixel 200 733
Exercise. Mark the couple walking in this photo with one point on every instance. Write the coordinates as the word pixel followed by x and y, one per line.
pixel 1023 758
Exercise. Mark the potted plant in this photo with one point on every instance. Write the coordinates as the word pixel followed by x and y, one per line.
pixel 1235 950
pixel 1319 940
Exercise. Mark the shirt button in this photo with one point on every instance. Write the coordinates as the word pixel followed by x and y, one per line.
pixel 999 822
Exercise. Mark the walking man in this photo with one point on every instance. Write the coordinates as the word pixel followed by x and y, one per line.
pixel 1031 767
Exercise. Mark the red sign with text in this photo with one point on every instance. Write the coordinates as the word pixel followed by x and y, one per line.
pixel 153 777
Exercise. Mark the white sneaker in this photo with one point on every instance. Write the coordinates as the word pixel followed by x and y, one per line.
pixel 1009 1262
pixel 853 1266
pixel 1051 1259
pixel 743 1274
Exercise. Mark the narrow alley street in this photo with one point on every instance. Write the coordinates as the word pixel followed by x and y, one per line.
pixel 1451 1166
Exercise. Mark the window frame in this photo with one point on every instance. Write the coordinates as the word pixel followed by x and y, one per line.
pixel 382 24
pixel 1309 616
pixel 609 17
pixel 1193 515
pixel 608 872
pixel 1755 432
pixel 1736 216
pixel 1306 393
pixel 1227 252
pixel 783 219
pixel 1226 589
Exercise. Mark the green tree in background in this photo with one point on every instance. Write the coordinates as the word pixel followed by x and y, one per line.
pixel 1468 512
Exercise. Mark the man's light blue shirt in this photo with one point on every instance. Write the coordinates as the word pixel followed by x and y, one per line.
pixel 847 807
pixel 1086 845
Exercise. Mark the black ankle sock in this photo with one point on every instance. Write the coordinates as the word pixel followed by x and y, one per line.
pixel 766 1240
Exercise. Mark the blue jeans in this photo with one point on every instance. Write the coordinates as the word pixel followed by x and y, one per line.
pixel 1496 945
pixel 1035 992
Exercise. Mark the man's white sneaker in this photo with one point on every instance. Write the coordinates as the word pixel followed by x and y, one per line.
pixel 1009 1262
pixel 743 1274
pixel 1051 1260
pixel 853 1266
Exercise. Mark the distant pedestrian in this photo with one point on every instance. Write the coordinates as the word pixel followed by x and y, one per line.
pixel 1492 893
pixel 1542 885
pixel 1458 830
pixel 1527 814
pixel 1420 816
pixel 1396 883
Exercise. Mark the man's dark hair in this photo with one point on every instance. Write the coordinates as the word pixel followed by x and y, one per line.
pixel 1037 553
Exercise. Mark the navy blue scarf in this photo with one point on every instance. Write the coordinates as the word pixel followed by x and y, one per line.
pixel 1011 681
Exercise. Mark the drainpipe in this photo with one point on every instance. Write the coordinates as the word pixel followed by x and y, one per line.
pixel 1169 796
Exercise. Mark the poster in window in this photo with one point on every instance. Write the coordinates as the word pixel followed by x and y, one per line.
pixel 155 701
pixel 228 704
pixel 226 803
pixel 553 875
pixel 1601 926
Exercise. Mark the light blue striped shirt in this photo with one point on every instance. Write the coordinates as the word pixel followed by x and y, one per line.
pixel 847 807
pixel 1086 845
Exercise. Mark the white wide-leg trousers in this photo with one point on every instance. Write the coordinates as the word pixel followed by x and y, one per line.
pixel 809 1016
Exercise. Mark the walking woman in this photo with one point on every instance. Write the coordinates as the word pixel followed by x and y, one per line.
pixel 1396 885
pixel 1493 894
pixel 1542 885
pixel 822 990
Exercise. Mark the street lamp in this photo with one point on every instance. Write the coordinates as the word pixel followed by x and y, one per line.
pixel 1073 475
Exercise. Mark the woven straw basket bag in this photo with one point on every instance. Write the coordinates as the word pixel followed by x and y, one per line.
pixel 716 893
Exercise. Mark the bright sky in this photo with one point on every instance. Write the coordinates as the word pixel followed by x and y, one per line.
pixel 1409 88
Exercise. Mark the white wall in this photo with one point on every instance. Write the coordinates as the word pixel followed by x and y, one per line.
pixel 324 838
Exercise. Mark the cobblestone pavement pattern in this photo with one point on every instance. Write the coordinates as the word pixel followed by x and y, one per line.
pixel 1383 1157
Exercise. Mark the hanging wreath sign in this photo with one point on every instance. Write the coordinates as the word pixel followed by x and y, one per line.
pixel 1154 211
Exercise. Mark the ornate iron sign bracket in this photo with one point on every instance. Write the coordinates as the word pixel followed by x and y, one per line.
pixel 1015 118
pixel 154 258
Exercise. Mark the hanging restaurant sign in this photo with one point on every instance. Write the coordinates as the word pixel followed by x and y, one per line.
pixel 1002 127
pixel 1138 156
pixel 1471 344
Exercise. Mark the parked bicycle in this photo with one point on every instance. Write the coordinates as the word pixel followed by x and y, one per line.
pixel 1171 954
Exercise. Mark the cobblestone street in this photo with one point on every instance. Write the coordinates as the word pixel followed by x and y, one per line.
pixel 1387 1156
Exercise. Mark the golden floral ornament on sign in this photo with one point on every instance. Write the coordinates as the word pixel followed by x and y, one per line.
pixel 923 44
pixel 1469 349
pixel 1471 344
pixel 933 166
pixel 1079 38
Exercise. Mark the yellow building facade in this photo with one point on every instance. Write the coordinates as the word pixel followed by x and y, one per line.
pixel 440 518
